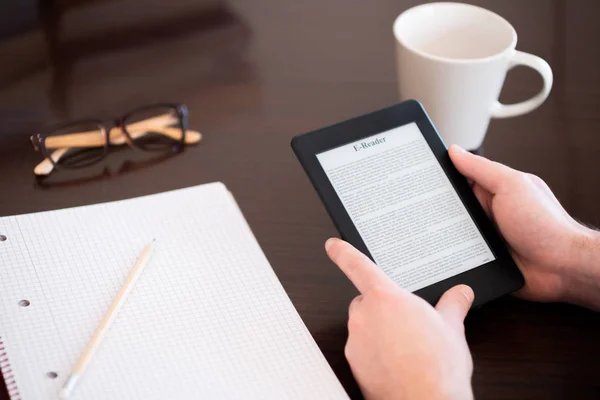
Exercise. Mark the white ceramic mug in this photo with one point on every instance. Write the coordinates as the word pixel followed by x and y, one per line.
pixel 453 58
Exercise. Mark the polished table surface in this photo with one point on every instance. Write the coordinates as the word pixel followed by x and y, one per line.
pixel 255 73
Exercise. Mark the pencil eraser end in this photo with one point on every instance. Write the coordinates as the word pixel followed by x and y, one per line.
pixel 63 394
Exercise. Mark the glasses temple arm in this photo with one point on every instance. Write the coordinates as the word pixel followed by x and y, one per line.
pixel 46 166
pixel 96 138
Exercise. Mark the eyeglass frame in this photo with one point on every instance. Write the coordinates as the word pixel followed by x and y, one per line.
pixel 38 140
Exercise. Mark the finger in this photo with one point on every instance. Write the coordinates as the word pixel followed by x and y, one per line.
pixel 486 173
pixel 455 304
pixel 361 271
pixel 354 304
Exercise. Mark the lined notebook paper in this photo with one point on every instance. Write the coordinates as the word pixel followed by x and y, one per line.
pixel 208 318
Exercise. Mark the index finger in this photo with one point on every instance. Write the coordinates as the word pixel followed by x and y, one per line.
pixel 361 271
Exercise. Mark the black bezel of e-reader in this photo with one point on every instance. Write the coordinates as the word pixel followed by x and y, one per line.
pixel 489 281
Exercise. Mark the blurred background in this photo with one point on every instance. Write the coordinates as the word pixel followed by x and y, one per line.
pixel 273 69
pixel 63 59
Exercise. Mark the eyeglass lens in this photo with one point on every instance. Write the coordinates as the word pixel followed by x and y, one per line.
pixel 77 145
pixel 157 128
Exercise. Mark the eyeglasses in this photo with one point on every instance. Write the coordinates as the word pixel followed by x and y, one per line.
pixel 158 127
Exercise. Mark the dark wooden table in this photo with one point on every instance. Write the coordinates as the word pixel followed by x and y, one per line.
pixel 255 73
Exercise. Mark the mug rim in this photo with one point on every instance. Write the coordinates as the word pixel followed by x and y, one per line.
pixel 511 47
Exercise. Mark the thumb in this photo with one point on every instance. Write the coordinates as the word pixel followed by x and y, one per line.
pixel 486 173
pixel 454 305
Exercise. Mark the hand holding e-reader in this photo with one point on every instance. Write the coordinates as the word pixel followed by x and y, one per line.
pixel 399 344
pixel 392 191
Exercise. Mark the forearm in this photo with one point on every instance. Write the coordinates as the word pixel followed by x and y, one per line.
pixel 582 276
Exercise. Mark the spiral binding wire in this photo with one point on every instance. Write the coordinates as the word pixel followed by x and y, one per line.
pixel 7 373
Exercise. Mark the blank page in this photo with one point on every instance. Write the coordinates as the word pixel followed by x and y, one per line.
pixel 208 318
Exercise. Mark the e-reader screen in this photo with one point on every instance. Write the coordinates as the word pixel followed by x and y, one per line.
pixel 405 208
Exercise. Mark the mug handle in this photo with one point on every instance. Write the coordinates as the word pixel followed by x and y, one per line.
pixel 500 110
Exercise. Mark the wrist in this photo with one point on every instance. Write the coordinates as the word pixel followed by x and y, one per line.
pixel 455 385
pixel 581 273
pixel 434 392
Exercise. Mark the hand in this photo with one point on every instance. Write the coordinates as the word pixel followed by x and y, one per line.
pixel 399 347
pixel 554 252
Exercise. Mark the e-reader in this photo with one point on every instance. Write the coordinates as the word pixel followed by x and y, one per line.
pixel 389 186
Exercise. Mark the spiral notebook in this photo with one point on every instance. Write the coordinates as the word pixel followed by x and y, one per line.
pixel 207 319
